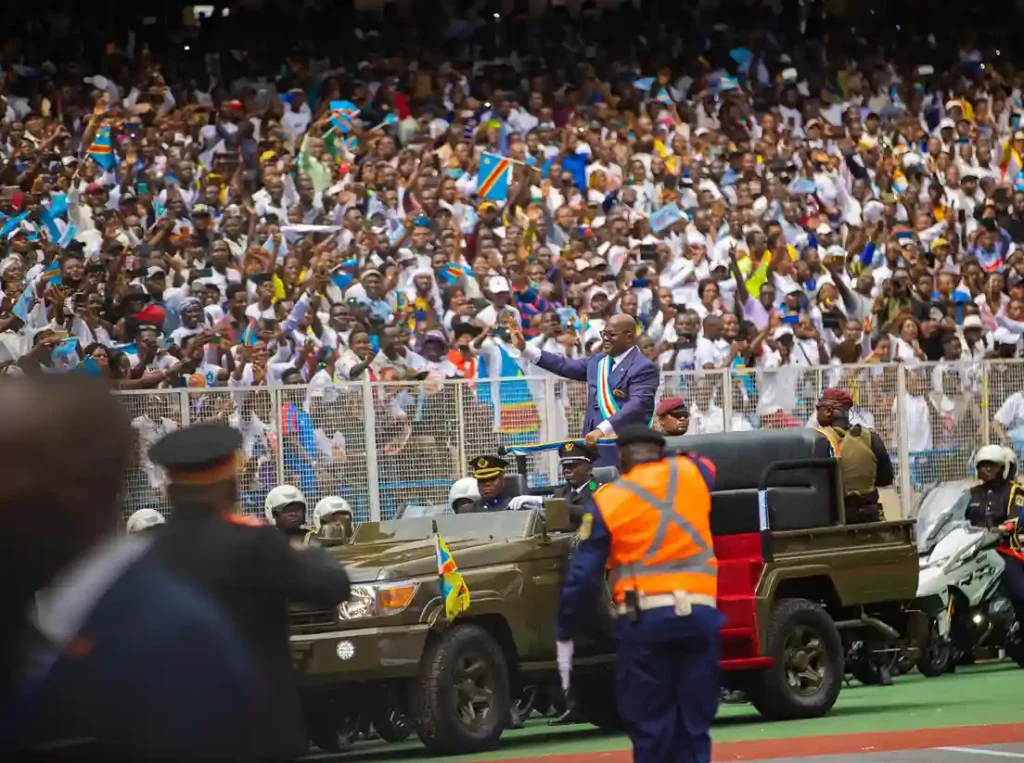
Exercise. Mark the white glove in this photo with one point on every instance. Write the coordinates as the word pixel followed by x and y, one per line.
pixel 563 656
pixel 527 502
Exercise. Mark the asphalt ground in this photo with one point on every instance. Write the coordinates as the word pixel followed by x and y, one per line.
pixel 972 716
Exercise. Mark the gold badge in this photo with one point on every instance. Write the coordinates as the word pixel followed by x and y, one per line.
pixel 1019 500
pixel 569 446
pixel 619 394
pixel 481 462
pixel 586 526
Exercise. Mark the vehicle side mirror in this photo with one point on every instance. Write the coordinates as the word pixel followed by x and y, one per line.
pixel 556 515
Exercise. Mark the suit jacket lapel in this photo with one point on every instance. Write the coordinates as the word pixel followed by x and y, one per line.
pixel 620 370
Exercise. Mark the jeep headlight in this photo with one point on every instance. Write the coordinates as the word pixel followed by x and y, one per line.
pixel 377 600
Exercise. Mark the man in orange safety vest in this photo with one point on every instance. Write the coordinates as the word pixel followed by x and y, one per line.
pixel 650 530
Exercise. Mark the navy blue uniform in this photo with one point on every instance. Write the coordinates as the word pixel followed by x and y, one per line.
pixel 663 660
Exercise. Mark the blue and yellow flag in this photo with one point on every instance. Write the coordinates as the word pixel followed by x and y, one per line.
pixel 342 114
pixel 52 273
pixel 250 335
pixel 102 149
pixel 492 182
pixel 453 587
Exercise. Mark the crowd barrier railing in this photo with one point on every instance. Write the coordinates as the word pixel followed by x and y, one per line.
pixel 384 446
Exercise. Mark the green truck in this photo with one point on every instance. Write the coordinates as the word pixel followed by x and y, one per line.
pixel 796 585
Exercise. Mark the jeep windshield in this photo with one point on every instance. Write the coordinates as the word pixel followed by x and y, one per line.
pixel 486 526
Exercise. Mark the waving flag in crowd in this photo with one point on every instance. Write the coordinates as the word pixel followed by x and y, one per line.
pixel 102 149
pixel 342 115
pixel 493 180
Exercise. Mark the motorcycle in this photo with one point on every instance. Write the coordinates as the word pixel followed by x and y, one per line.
pixel 958 584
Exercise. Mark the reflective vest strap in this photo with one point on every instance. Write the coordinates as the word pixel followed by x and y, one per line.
pixel 693 564
pixel 699 562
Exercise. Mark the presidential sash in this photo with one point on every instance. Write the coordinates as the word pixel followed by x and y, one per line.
pixel 606 401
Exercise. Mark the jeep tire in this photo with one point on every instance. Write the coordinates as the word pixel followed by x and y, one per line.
pixel 464 668
pixel 807 673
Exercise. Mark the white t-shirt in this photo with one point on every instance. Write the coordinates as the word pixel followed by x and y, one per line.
pixel 1011 415
pixel 149 432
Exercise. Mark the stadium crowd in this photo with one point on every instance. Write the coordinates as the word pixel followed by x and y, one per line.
pixel 766 196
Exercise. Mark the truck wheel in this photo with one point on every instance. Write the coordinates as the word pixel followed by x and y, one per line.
pixel 461 704
pixel 805 679
pixel 936 653
pixel 595 700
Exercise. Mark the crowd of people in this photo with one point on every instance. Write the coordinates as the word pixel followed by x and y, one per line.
pixel 177 213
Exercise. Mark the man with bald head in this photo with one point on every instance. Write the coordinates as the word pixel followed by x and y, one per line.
pixel 103 654
pixel 622 383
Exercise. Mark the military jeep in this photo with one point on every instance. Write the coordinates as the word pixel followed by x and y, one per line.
pixel 794 580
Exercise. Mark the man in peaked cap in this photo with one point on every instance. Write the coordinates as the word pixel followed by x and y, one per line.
pixel 247 567
pixel 490 478
pixel 577 462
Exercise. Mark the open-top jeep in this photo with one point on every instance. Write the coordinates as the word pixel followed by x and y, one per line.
pixel 794 580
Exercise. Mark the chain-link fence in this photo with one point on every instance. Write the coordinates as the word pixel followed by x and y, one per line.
pixel 390 445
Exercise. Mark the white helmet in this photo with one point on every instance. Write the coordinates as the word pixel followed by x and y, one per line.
pixel 463 488
pixel 281 496
pixel 1011 463
pixel 332 504
pixel 996 454
pixel 144 519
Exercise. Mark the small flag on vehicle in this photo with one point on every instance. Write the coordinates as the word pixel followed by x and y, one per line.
pixel 454 591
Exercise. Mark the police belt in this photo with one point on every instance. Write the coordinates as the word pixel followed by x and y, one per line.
pixel 681 601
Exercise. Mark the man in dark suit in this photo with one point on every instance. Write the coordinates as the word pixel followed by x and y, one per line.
pixel 622 383
pixel 104 656
pixel 246 566
pixel 577 469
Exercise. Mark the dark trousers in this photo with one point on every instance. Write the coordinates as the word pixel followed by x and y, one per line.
pixel 862 515
pixel 667 696
pixel 1013 582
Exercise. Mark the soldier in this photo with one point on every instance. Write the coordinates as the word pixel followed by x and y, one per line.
pixel 332 518
pixel 248 568
pixel 577 462
pixel 673 416
pixel 489 472
pixel 863 460
pixel 285 508
pixel 464 495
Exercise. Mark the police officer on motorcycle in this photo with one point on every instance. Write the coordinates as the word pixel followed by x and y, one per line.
pixel 997 503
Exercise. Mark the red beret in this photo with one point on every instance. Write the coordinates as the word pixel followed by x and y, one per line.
pixel 670 404
pixel 153 314
pixel 839 397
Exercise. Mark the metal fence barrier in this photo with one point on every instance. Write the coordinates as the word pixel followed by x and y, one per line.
pixel 384 446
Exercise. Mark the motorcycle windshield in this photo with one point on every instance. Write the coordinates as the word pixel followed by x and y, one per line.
pixel 941 509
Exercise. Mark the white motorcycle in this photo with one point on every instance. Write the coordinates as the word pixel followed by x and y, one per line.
pixel 958 585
